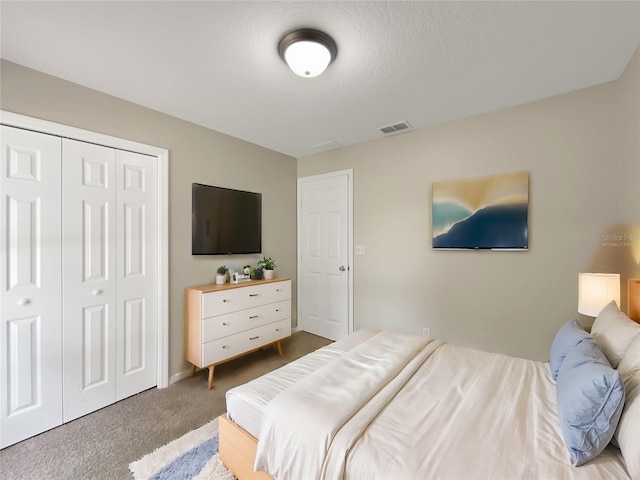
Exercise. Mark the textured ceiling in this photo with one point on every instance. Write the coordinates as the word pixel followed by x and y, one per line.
pixel 216 63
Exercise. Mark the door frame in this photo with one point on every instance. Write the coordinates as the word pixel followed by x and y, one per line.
pixel 65 131
pixel 323 176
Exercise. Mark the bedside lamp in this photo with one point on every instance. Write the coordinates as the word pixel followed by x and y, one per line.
pixel 596 290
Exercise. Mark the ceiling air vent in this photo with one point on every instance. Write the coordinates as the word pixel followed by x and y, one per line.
pixel 396 128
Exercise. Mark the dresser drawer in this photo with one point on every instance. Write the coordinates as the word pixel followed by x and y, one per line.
pixel 227 301
pixel 239 343
pixel 235 322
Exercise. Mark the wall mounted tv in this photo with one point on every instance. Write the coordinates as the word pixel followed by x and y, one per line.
pixel 225 221
pixel 482 213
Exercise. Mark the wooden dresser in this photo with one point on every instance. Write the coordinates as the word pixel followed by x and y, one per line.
pixel 223 322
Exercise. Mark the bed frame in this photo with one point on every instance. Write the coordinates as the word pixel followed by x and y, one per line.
pixel 238 450
pixel 633 299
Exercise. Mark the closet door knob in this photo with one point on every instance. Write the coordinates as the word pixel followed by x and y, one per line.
pixel 97 292
pixel 24 301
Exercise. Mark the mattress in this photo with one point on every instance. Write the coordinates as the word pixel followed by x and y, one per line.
pixel 246 403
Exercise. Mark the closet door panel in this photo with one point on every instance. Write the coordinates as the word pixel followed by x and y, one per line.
pixel 30 266
pixel 89 279
pixel 137 217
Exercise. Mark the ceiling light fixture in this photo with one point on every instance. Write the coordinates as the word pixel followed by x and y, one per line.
pixel 308 52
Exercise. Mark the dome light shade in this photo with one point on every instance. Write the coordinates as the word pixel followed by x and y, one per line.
pixel 308 52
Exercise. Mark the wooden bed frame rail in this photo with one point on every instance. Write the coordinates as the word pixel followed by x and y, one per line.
pixel 238 450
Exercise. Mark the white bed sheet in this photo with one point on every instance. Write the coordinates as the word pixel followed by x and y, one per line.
pixel 246 403
pixel 473 414
pixel 464 414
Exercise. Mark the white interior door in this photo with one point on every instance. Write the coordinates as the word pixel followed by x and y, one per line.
pixel 89 278
pixel 30 266
pixel 137 294
pixel 324 247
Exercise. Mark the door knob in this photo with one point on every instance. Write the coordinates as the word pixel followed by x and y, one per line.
pixel 24 301
pixel 342 268
pixel 97 292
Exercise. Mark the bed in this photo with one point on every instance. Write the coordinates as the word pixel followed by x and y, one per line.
pixel 392 405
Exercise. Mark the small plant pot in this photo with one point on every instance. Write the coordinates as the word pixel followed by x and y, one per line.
pixel 221 279
pixel 257 274
pixel 268 274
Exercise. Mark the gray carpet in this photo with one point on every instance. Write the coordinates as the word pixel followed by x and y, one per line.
pixel 102 444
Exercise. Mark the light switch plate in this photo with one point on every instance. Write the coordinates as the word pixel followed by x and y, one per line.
pixel 359 249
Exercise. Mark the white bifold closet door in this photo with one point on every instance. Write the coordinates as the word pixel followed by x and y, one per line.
pixel 30 284
pixel 109 279
pixel 78 279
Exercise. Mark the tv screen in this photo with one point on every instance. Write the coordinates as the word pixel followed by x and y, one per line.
pixel 225 221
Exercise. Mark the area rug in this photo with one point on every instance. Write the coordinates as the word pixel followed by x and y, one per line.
pixel 194 456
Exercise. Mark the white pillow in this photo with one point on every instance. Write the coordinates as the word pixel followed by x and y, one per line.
pixel 627 433
pixel 614 332
pixel 630 363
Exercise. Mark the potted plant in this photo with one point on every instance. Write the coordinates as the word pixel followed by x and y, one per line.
pixel 268 266
pixel 221 275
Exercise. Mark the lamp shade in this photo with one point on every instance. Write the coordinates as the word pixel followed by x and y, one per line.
pixel 596 290
pixel 308 52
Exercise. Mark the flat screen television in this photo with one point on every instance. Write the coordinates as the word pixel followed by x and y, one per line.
pixel 225 221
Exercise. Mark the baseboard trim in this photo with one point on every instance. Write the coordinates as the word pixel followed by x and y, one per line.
pixel 180 376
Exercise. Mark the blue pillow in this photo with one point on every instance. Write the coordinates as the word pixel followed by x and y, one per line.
pixel 569 335
pixel 590 397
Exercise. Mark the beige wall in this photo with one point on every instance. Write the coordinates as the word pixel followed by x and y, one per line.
pixel 581 152
pixel 196 154
pixel 629 170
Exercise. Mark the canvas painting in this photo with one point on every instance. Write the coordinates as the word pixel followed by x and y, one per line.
pixel 482 213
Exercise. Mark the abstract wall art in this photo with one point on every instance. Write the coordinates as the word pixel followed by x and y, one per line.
pixel 481 213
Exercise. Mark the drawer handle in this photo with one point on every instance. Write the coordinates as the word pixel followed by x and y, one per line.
pixel 225 346
pixel 277 329
pixel 278 290
pixel 225 300
pixel 254 316
pixel 253 294
pixel 253 338
pixel 277 309
pixel 224 324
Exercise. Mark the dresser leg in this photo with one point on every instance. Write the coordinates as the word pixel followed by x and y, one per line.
pixel 211 367
pixel 193 372
pixel 279 347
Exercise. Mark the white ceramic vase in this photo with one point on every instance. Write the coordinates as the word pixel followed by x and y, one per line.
pixel 268 274
pixel 221 279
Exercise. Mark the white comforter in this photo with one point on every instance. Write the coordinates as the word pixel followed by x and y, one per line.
pixel 401 407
